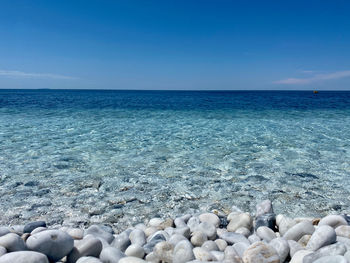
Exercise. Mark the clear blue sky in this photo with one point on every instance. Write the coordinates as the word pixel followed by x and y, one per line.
pixel 177 44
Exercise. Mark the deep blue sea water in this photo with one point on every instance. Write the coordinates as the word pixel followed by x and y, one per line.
pixel 120 156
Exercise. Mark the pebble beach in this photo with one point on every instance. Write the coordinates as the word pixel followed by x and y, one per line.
pixel 238 237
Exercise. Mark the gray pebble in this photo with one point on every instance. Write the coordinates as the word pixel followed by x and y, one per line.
pixel 210 245
pixel 240 248
pixel 232 238
pixel 55 244
pixel 202 254
pixel 132 260
pixel 174 239
pixel 111 255
pixel 4 230
pixel 265 233
pixel 264 207
pixel 12 243
pixel 164 251
pixel 218 255
pixel 28 228
pixel 86 247
pixel 333 221
pixel 24 257
pixel 3 251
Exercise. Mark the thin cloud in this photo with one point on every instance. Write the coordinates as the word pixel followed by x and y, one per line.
pixel 20 74
pixel 315 78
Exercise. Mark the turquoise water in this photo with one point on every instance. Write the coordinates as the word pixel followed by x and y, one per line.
pixel 78 157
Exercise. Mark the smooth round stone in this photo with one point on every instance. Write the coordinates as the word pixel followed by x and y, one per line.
pixel 231 255
pixel 331 259
pixel 28 228
pixel 294 247
pixel 331 250
pixel 232 238
pixel 12 243
pixel 343 231
pixel 86 247
pixel 186 217
pixel 243 231
pixel 222 244
pixel 281 246
pixel 193 223
pixel 156 222
pixel 304 240
pixel 299 256
pixel 121 241
pixel 137 237
pixel 164 251
pixel 333 221
pixel 135 250
pixel 111 255
pixel 100 232
pixel 265 233
pixel 132 260
pixel 254 238
pixel 323 236
pixel 260 252
pixel 38 229
pixel 268 220
pixel 89 260
pixel 149 231
pixel 210 218
pixel 284 224
pixel 185 231
pixel 170 230
pixel 4 230
pixel 240 248
pixel 202 254
pixel 183 252
pixel 210 245
pixel 300 229
pixel 217 255
pixel 176 238
pixel 24 257
pixel 264 207
pixel 345 241
pixel 55 244
pixel 2 251
pixel 179 222
pixel 239 220
pixel 198 238
pixel 75 233
pixel 208 229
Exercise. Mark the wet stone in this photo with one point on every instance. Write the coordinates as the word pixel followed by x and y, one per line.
pixel 268 220
pixel 32 225
pixel 24 257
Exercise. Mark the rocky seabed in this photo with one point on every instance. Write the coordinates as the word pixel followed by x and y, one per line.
pixel 238 237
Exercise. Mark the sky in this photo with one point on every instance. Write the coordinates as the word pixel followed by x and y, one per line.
pixel 180 44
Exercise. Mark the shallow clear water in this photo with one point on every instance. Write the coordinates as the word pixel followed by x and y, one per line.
pixel 77 157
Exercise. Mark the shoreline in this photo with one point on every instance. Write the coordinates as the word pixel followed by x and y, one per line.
pixel 237 236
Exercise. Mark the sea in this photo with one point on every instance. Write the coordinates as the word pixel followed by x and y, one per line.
pixel 80 157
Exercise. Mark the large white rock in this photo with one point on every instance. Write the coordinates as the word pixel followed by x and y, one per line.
pixel 137 237
pixel 281 246
pixel 260 252
pixel 24 257
pixel 55 244
pixel 265 233
pixel 264 207
pixel 323 236
pixel 300 229
pixel 135 250
pixel 132 260
pixel 198 238
pixel 89 260
pixel 239 220
pixel 183 252
pixel 333 221
pixel 164 251
pixel 331 259
pixel 202 254
pixel 100 232
pixel 210 218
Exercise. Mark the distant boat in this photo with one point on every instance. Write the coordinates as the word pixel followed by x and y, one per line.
pixel 315 91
